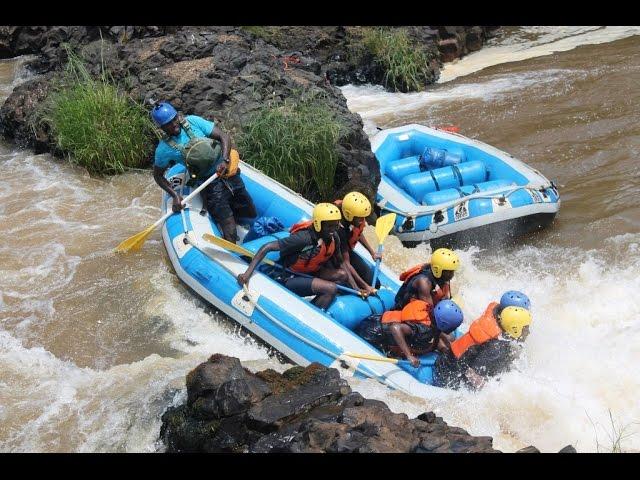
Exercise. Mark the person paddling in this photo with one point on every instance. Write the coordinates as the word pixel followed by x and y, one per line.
pixel 355 208
pixel 312 248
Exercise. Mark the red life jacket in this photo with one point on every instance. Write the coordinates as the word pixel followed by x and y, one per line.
pixel 482 330
pixel 405 294
pixel 354 232
pixel 320 256
pixel 415 311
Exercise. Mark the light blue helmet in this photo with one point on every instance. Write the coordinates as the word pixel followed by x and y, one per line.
pixel 448 316
pixel 163 113
pixel 513 298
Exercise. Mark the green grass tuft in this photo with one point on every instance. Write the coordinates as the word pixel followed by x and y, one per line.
pixel 99 127
pixel 404 63
pixel 295 143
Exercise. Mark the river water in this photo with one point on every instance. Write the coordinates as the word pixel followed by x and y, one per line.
pixel 94 347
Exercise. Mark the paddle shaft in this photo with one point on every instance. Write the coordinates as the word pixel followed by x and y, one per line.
pixel 187 198
pixel 377 267
pixel 384 359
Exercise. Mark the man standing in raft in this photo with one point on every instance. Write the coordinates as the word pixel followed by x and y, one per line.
pixel 493 342
pixel 312 248
pixel 205 149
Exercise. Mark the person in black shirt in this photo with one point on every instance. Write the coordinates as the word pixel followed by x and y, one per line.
pixel 312 248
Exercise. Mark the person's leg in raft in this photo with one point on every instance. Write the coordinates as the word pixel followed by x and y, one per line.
pixel 336 275
pixel 219 199
pixel 241 202
pixel 325 291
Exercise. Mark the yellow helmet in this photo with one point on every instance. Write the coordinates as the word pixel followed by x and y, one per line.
pixel 443 259
pixel 324 212
pixel 355 204
pixel 513 320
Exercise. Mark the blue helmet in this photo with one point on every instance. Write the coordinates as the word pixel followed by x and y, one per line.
pixel 448 316
pixel 162 113
pixel 513 298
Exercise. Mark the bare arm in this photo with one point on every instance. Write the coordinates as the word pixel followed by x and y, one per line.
pixel 423 289
pixel 346 265
pixel 158 176
pixel 266 248
pixel 368 246
pixel 398 331
pixel 472 377
pixel 225 142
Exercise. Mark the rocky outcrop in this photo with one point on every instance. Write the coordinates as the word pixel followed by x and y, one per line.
pixel 303 410
pixel 225 73
pixel 312 409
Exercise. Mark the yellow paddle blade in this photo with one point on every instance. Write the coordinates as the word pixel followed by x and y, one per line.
pixel 371 357
pixel 135 242
pixel 221 242
pixel 384 225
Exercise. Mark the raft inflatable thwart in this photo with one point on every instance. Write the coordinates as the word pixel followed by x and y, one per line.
pixel 282 319
pixel 451 190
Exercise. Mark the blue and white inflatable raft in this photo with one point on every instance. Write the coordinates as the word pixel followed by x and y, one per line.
pixel 282 319
pixel 451 190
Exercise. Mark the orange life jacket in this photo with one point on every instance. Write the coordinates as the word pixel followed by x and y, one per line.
pixel 415 311
pixel 482 330
pixel 320 256
pixel 437 293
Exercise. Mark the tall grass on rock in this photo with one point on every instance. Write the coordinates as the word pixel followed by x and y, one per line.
pixel 295 143
pixel 405 64
pixel 99 127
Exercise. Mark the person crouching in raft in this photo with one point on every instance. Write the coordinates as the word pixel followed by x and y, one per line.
pixel 493 342
pixel 415 330
pixel 429 282
pixel 355 208
pixel 312 248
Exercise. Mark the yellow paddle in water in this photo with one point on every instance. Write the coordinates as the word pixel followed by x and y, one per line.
pixel 135 242
pixel 383 227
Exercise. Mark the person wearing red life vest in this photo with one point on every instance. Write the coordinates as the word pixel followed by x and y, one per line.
pixel 492 343
pixel 429 282
pixel 355 208
pixel 312 248
pixel 412 331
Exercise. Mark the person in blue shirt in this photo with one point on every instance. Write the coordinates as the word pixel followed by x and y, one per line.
pixel 226 197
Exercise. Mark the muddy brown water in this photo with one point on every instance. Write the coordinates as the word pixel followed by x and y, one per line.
pixel 94 347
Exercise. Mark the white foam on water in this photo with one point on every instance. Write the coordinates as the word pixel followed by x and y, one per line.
pixel 518 47
pixel 197 329
pixel 577 371
pixel 373 102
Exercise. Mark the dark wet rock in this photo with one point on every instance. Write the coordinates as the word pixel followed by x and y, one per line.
pixel 529 449
pixel 568 449
pixel 20 119
pixel 303 410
